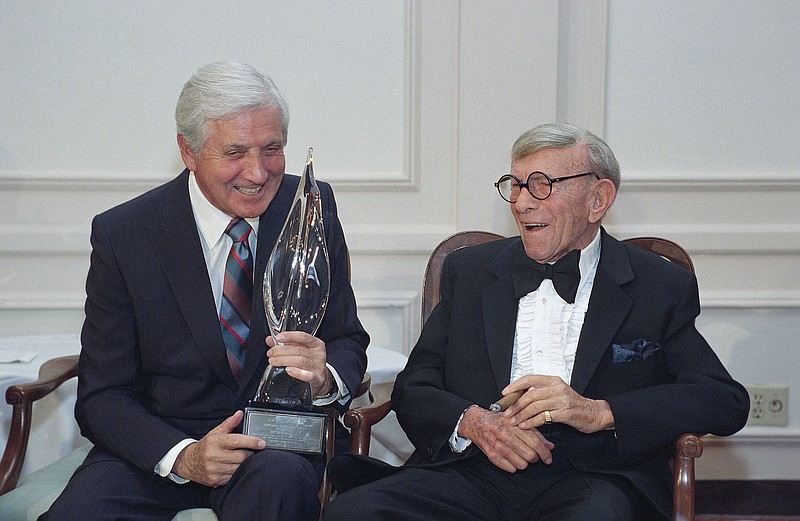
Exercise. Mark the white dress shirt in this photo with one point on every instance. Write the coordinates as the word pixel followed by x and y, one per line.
pixel 548 329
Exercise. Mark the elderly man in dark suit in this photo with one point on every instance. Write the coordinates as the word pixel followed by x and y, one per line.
pixel 172 349
pixel 599 336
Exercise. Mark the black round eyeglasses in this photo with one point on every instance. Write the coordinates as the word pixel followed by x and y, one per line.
pixel 539 185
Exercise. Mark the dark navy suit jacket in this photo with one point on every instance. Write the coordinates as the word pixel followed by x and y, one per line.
pixel 153 369
pixel 463 357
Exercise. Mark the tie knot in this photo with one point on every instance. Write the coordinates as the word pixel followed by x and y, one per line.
pixel 566 264
pixel 528 274
pixel 545 269
pixel 238 229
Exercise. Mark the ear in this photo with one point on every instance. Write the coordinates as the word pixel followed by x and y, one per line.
pixel 186 153
pixel 601 198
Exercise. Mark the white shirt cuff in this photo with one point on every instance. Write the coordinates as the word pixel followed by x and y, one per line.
pixel 457 443
pixel 164 467
pixel 341 396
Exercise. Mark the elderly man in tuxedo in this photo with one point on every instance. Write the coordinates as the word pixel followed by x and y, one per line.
pixel 599 336
pixel 174 345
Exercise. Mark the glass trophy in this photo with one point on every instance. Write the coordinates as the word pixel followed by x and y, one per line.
pixel 296 288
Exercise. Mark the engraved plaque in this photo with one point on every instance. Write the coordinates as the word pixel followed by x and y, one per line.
pixel 294 430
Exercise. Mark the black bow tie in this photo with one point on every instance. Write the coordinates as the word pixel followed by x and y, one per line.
pixel 528 274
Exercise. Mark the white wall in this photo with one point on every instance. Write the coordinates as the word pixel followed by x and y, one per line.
pixel 411 108
pixel 702 110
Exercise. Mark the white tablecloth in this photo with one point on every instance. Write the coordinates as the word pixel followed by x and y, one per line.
pixel 389 443
pixel 54 433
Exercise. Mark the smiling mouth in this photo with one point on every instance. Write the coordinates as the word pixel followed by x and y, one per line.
pixel 249 191
pixel 533 226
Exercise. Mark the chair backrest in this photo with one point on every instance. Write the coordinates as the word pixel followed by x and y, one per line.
pixel 433 272
pixel 666 248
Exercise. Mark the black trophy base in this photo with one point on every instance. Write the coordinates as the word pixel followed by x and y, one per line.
pixel 283 427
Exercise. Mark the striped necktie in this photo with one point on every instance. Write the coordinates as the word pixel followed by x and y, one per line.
pixel 237 293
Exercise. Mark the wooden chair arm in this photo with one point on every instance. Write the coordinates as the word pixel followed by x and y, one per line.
pixel 21 397
pixel 330 437
pixel 361 419
pixel 688 447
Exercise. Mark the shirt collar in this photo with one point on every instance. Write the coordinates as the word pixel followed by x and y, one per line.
pixel 589 257
pixel 211 221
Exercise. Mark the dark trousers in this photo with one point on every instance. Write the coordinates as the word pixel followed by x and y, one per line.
pixel 474 489
pixel 270 485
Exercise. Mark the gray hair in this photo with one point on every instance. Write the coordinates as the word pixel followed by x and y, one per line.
pixel 564 135
pixel 221 90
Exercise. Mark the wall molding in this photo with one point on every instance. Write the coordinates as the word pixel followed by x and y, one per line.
pixel 80 181
pixel 748 299
pixel 633 180
pixel 750 435
pixel 35 239
pixel 582 58
pixel 406 178
pixel 710 180
pixel 42 301
pixel 392 239
pixel 750 454
pixel 408 303
pixel 721 239
pixel 639 181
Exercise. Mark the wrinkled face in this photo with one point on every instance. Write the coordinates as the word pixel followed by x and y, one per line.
pixel 241 164
pixel 564 221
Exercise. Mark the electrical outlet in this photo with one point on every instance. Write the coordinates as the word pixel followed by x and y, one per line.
pixel 769 405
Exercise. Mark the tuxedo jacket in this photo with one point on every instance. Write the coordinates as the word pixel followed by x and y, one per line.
pixel 463 357
pixel 153 367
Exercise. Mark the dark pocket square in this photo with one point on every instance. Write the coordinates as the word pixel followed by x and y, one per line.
pixel 638 350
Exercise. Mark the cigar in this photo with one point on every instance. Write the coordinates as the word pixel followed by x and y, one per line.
pixel 506 401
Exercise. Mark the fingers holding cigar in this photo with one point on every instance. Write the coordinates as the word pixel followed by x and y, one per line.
pixel 533 401
pixel 506 401
pixel 510 399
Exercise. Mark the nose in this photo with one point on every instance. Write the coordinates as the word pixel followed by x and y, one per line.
pixel 525 201
pixel 256 170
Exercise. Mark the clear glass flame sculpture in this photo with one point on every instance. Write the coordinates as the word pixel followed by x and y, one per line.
pixel 296 286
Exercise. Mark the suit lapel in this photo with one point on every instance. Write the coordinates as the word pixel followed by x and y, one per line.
pixel 608 307
pixel 500 317
pixel 178 244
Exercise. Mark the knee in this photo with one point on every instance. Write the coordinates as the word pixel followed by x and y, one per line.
pixel 344 508
pixel 281 470
pixel 63 510
pixel 270 485
pixel 611 499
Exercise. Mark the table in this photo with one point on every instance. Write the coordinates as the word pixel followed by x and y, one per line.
pixel 55 433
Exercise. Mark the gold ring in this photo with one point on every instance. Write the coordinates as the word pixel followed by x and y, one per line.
pixel 547 418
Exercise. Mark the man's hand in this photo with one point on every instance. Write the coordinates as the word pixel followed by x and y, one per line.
pixel 213 460
pixel 551 393
pixel 304 358
pixel 509 447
